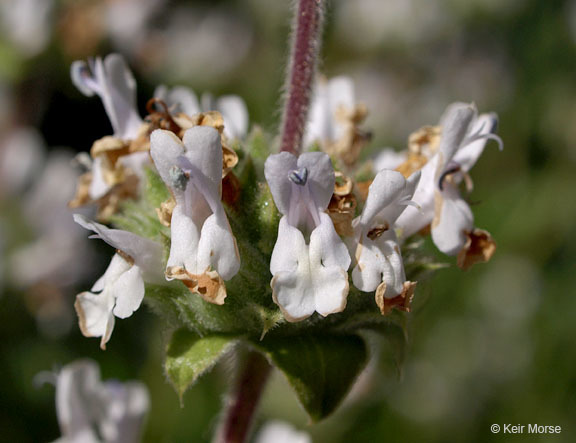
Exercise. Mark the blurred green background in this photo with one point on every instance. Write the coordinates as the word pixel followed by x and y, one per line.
pixel 495 344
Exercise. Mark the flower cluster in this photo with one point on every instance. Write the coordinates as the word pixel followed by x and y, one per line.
pixel 337 229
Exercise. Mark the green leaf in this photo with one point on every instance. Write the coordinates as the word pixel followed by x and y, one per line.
pixel 155 190
pixel 395 336
pixel 320 369
pixel 189 356
pixel 258 145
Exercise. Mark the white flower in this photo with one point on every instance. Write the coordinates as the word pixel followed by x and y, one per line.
pixel 89 410
pixel 379 261
pixel 119 292
pixel 114 83
pixel 309 260
pixel 329 98
pixel 463 137
pixel 279 432
pixel 203 250
pixel 334 119
pixel 232 107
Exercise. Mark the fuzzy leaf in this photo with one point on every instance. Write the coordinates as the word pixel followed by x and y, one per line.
pixel 320 369
pixel 189 356
pixel 155 190
pixel 257 145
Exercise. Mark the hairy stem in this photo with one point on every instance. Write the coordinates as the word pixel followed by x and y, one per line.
pixel 242 404
pixel 306 41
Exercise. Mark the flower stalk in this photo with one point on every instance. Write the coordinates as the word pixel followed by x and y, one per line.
pixel 242 403
pixel 306 42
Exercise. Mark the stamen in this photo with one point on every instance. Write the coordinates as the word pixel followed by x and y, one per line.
pixel 299 176
pixel 452 169
pixel 83 78
pixel 489 136
pixel 179 178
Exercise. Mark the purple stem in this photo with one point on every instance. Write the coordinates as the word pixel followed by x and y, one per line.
pixel 306 42
pixel 242 404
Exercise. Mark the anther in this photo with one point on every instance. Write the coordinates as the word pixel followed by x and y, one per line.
pixel 299 176
pixel 179 178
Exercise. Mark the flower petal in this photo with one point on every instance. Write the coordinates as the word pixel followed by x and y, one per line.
pixel 76 385
pixel 217 247
pixel 391 213
pixel 288 247
pixel 235 114
pixel 128 290
pixel 126 405
pixel 165 148
pixel 328 97
pixel 467 156
pixel 204 151
pixel 452 221
pixel 116 268
pixel 293 293
pixel 81 78
pixel 309 278
pixel 185 238
pixel 411 220
pixel 98 186
pixel 146 253
pixel 320 177
pixel 454 125
pixel 367 274
pixel 341 91
pixel 276 169
pixel 379 261
pixel 119 96
pixel 114 83
pixel 95 315
pixel 326 247
pixel 386 189
pixel 291 284
pixel 393 273
pixel 330 290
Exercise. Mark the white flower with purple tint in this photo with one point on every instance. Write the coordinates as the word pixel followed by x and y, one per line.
pixel 309 261
pixel 92 411
pixel 113 82
pixel 120 291
pixel 463 137
pixel 379 266
pixel 203 250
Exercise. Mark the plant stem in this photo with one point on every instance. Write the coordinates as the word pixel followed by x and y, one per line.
pixel 241 405
pixel 306 41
